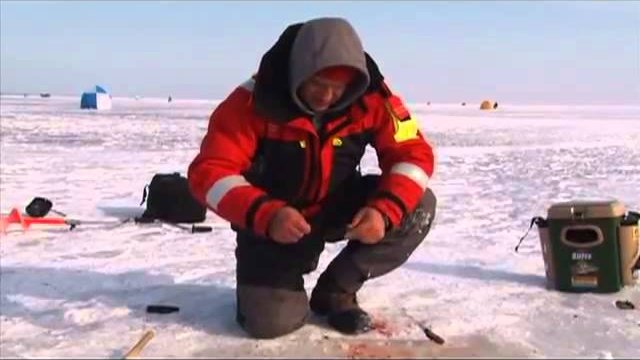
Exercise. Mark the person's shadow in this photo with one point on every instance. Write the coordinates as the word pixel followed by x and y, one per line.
pixel 478 273
pixel 209 307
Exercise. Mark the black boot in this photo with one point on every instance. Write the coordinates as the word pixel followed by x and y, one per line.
pixel 352 322
pixel 342 311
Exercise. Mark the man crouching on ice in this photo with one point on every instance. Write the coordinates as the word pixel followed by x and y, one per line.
pixel 280 162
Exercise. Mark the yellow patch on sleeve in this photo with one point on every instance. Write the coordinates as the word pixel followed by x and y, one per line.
pixel 406 129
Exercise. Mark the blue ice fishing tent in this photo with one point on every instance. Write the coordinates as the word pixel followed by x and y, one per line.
pixel 96 98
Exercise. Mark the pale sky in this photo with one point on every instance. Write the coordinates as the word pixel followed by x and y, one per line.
pixel 529 52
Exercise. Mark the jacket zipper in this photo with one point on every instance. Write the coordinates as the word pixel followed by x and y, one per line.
pixel 314 169
pixel 316 179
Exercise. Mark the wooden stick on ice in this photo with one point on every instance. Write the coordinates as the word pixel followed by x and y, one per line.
pixel 137 348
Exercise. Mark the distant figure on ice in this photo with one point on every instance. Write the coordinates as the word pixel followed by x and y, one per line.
pixel 169 99
pixel 495 105
pixel 280 162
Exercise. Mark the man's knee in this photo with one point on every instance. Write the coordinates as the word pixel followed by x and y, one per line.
pixel 266 312
pixel 416 225
pixel 427 210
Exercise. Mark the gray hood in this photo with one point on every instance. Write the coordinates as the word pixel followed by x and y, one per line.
pixel 325 42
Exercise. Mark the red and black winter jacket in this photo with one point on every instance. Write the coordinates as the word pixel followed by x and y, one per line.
pixel 261 152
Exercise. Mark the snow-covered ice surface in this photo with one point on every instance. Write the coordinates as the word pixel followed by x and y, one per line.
pixel 83 293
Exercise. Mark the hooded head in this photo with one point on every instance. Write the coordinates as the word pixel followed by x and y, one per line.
pixel 328 67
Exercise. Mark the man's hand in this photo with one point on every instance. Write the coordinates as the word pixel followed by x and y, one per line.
pixel 288 225
pixel 367 226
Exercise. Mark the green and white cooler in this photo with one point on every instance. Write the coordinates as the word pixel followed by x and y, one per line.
pixel 581 248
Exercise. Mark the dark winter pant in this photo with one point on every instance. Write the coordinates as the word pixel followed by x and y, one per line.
pixel 271 299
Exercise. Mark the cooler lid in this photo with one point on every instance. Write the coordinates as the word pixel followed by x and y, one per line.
pixel 586 209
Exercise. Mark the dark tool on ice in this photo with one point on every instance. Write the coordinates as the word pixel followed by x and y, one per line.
pixel 432 336
pixel 625 305
pixel 40 207
pixel 192 229
pixel 425 329
pixel 162 309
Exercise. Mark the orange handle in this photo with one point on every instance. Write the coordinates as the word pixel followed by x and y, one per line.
pixel 47 221
pixel 15 217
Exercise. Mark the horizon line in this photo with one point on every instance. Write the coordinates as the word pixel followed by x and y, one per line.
pixel 425 103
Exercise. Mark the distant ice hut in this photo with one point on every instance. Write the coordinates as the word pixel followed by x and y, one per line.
pixel 96 98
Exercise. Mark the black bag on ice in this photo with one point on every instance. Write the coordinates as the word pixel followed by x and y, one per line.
pixel 169 199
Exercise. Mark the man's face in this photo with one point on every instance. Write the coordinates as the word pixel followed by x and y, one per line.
pixel 320 93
